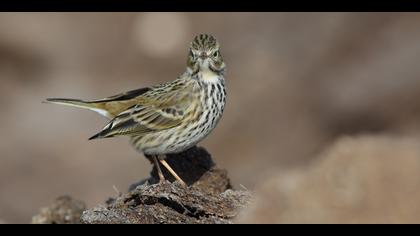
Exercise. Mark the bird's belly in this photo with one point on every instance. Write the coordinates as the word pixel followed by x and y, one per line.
pixel 175 140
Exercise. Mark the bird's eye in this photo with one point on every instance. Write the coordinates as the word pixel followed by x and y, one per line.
pixel 216 54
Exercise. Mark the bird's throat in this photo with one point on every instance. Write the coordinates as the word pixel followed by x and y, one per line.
pixel 208 76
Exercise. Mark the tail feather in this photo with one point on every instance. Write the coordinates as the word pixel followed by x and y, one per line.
pixel 78 103
pixel 70 102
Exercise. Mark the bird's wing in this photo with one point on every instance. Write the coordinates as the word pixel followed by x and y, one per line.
pixel 155 110
pixel 116 104
pixel 123 96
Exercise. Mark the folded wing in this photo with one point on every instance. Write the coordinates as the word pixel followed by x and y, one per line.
pixel 155 111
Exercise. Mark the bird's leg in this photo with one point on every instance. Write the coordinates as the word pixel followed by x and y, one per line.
pixel 166 165
pixel 161 177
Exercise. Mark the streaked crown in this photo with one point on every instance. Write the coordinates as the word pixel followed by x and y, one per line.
pixel 204 42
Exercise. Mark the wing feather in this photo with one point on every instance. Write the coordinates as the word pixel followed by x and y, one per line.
pixel 154 111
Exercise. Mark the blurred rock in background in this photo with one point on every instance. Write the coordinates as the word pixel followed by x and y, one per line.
pixel 296 82
pixel 64 210
pixel 363 179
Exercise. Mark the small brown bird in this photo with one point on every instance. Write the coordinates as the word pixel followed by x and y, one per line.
pixel 170 117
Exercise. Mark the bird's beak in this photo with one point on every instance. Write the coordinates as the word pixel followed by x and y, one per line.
pixel 203 56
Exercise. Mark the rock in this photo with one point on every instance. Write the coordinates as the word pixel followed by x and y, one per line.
pixel 169 203
pixel 64 210
pixel 209 197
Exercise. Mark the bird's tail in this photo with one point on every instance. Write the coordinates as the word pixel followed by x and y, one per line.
pixel 80 104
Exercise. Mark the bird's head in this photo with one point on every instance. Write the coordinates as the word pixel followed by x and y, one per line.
pixel 204 54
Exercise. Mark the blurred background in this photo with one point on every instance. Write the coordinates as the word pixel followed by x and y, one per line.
pixel 322 120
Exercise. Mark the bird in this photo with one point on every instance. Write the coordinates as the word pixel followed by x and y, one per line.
pixel 170 117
